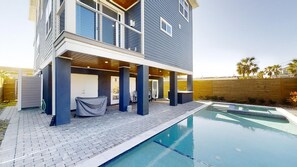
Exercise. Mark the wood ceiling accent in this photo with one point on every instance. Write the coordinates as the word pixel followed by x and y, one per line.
pixel 125 4
pixel 93 62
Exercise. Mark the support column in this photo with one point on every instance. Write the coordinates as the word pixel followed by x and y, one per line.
pixel 189 82
pixel 47 88
pixel 62 93
pixel 161 87
pixel 173 88
pixel 124 88
pixel 142 90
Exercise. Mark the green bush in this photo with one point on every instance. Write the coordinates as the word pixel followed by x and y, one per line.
pixel 220 98
pixel 271 102
pixel 252 100
pixel 261 101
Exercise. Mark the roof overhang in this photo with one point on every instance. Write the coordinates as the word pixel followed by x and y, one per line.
pixel 124 4
pixel 194 3
pixel 32 10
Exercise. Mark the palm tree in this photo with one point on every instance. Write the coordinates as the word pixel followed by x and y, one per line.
pixel 292 67
pixel 276 70
pixel 247 66
pixel 261 74
pixel 269 71
pixel 255 69
pixel 3 74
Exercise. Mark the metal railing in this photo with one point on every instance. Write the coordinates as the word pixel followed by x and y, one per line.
pixel 122 35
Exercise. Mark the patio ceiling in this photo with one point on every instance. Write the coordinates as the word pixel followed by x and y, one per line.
pixel 81 60
pixel 125 4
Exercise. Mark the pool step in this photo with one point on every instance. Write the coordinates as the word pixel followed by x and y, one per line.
pixel 270 114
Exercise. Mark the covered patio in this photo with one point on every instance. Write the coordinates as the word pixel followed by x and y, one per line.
pixel 105 62
pixel 30 141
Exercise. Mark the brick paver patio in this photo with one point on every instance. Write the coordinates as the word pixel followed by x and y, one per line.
pixel 29 141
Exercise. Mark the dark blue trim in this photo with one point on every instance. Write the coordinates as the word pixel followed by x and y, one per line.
pixel 62 80
pixel 47 88
pixel 161 87
pixel 142 90
pixel 173 89
pixel 124 89
pixel 189 82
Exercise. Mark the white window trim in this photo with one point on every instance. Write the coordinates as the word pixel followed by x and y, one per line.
pixel 167 24
pixel 183 4
pixel 49 11
pixel 107 4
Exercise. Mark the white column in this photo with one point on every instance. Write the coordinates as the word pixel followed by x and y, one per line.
pixel 20 90
pixel 70 16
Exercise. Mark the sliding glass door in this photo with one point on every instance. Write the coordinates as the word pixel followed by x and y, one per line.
pixel 102 27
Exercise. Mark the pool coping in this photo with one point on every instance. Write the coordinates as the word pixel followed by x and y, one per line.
pixel 292 118
pixel 108 155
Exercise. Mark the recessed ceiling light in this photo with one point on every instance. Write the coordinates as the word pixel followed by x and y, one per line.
pixel 88 66
pixel 106 62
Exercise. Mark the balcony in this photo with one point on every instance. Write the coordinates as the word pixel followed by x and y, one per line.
pixel 102 22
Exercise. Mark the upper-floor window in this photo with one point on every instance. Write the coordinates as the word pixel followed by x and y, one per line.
pixel 165 27
pixel 48 17
pixel 37 45
pixel 184 9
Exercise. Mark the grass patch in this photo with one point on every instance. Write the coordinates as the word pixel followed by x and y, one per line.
pixel 3 127
pixel 7 104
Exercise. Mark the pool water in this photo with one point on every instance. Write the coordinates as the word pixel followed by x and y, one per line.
pixel 214 138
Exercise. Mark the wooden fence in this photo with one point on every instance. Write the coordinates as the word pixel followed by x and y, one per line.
pixel 9 90
pixel 1 89
pixel 240 90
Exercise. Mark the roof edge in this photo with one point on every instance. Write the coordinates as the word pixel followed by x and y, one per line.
pixel 194 3
pixel 32 10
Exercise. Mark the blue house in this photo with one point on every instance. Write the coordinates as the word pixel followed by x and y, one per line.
pixel 111 48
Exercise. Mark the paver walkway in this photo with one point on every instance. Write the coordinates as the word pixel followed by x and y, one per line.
pixel 29 141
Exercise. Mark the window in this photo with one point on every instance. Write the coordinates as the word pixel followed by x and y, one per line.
pixel 48 17
pixel 165 27
pixel 37 45
pixel 184 9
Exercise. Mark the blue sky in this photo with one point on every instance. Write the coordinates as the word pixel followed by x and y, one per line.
pixel 227 30
pixel 224 32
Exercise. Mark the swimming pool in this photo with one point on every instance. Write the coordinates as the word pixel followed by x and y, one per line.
pixel 211 137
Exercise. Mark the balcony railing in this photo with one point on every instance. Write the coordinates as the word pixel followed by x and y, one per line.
pixel 98 22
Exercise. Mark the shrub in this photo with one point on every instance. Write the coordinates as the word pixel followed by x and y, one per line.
pixel 220 98
pixel 252 100
pixel 293 98
pixel 207 97
pixel 261 101
pixel 271 102
pixel 286 102
pixel 215 98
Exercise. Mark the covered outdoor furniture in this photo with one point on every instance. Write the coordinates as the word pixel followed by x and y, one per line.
pixel 91 106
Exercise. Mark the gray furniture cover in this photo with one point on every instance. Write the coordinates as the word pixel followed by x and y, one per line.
pixel 91 106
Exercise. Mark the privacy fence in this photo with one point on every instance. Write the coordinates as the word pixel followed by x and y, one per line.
pixel 241 90
pixel 1 89
pixel 9 90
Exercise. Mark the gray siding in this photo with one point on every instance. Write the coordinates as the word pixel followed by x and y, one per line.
pixel 31 92
pixel 160 47
pixel 45 41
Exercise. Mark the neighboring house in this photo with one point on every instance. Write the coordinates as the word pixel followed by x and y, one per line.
pixel 101 48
